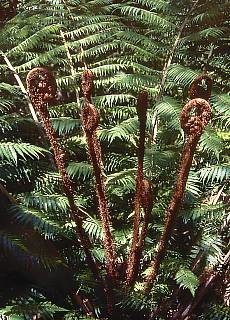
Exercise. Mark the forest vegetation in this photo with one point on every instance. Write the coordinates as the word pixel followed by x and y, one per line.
pixel 114 159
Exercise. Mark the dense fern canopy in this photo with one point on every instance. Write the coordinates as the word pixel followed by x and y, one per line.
pixel 158 47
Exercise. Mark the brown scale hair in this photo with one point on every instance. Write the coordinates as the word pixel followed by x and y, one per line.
pixel 193 125
pixel 90 120
pixel 196 89
pixel 131 272
pixel 87 84
pixel 42 87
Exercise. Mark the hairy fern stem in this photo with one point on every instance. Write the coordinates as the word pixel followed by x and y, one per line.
pixel 131 273
pixel 90 119
pixel 193 127
pixel 42 88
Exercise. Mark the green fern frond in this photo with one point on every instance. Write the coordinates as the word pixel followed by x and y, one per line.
pixel 80 170
pixel 93 228
pixel 146 17
pixel 215 173
pixel 30 308
pixel 211 245
pixel 13 151
pixel 211 142
pixel 37 219
pixel 12 244
pixel 212 32
pixel 169 110
pixel 35 40
pixel 187 280
pixel 221 104
pixel 181 76
pixel 6 105
pixel 205 212
pixel 66 125
pixel 217 312
pixel 154 4
pixel 124 179
pixel 108 101
pixel 193 184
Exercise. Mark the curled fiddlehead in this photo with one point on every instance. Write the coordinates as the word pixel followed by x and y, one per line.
pixel 194 117
pixel 42 87
pixel 201 87
pixel 90 119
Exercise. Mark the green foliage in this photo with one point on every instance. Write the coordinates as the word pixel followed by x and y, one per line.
pixel 11 151
pixel 127 45
pixel 187 280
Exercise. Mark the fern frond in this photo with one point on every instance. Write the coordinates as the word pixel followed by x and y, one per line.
pixel 93 228
pixel 13 151
pixel 10 243
pixel 187 280
pixel 181 76
pixel 211 142
pixel 66 125
pixel 146 17
pixel 121 131
pixel 80 170
pixel 37 219
pixel 193 184
pixel 124 179
pixel 215 173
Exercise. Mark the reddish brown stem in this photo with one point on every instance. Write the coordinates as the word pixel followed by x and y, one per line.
pixel 142 105
pixel 147 204
pixel 193 127
pixel 90 122
pixel 197 89
pixel 42 88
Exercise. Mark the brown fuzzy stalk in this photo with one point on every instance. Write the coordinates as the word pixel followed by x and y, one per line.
pixel 90 119
pixel 41 86
pixel 147 205
pixel 147 199
pixel 196 89
pixel 142 105
pixel 193 126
